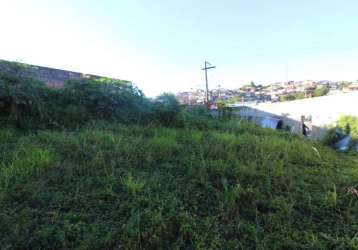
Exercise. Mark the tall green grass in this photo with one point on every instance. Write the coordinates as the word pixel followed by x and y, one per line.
pixel 227 185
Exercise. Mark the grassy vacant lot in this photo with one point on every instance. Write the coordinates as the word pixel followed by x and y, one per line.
pixel 234 186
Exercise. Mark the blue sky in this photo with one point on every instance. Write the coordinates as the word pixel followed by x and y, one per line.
pixel 161 45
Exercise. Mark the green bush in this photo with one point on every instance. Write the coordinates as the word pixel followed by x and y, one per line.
pixel 107 99
pixel 300 95
pixel 22 99
pixel 321 91
pixel 346 125
pixel 289 97
pixel 349 124
pixel 167 110
pixel 29 103
pixel 225 113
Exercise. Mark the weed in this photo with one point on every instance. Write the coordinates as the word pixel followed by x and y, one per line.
pixel 132 185
pixel 230 185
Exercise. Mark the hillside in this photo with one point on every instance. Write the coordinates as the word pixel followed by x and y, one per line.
pixel 226 186
pixel 97 165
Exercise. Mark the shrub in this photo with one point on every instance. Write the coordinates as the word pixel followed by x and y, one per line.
pixel 107 99
pixel 332 136
pixel 321 91
pixel 22 99
pixel 349 124
pixel 30 103
pixel 225 113
pixel 346 125
pixel 285 98
pixel 167 110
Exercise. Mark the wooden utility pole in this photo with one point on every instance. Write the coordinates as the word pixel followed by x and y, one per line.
pixel 207 66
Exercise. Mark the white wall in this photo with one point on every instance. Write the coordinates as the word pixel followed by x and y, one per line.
pixel 325 110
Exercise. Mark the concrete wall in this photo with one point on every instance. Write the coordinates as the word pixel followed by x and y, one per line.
pixel 56 77
pixel 324 111
pixel 52 77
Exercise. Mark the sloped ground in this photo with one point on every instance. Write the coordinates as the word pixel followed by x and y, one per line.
pixel 230 187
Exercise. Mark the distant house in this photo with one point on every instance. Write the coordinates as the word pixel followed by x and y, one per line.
pixel 191 97
pixel 352 87
pixel 183 98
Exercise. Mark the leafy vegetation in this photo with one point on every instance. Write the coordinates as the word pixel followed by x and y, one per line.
pixel 231 186
pixel 349 124
pixel 21 98
pixel 321 91
pixel 30 104
pixel 346 125
pixel 88 173
pixel 292 97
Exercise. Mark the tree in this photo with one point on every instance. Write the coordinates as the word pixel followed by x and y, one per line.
pixel 321 91
pixel 284 98
pixel 299 95
pixel 167 109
